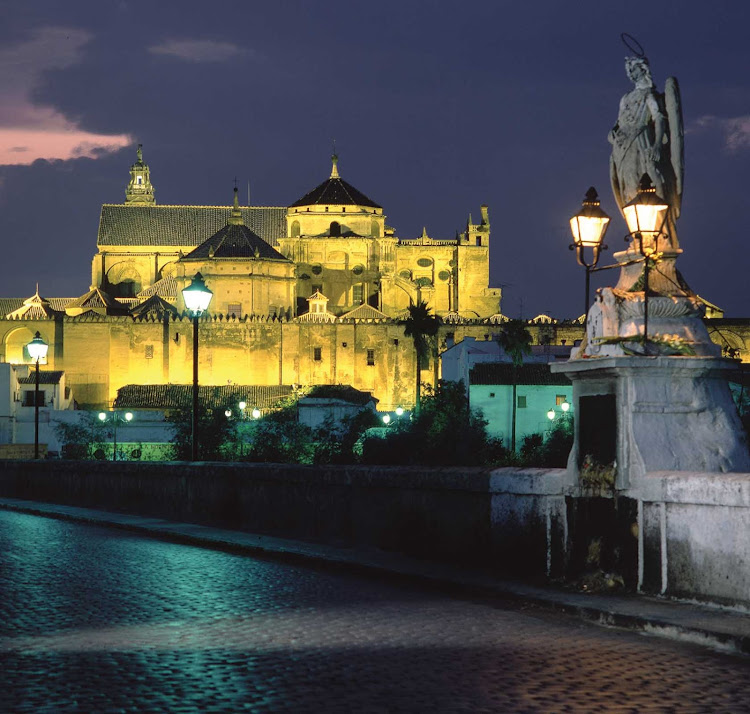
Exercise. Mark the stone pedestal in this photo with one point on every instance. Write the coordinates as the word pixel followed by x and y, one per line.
pixel 646 414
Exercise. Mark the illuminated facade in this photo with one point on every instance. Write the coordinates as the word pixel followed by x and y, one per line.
pixel 313 293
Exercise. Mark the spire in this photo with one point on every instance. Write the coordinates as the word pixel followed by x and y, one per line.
pixel 335 169
pixel 236 218
pixel 139 188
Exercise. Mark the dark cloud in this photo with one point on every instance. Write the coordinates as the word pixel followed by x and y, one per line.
pixel 436 109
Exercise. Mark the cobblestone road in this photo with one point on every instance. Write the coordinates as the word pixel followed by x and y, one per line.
pixel 96 620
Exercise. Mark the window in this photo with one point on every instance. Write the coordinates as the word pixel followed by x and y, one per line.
pixel 139 180
pixel 370 358
pixel 28 398
pixel 479 241
pixel 234 308
pixel 395 343
pixel 559 399
pixel 522 401
pixel 317 354
pixel 357 294
pixel 492 395
pixel 335 228
pixel 149 351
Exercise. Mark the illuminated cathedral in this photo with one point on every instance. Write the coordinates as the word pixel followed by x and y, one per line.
pixel 308 294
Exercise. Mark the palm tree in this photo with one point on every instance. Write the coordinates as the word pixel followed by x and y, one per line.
pixel 515 340
pixel 420 325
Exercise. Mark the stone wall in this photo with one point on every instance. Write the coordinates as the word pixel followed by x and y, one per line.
pixel 676 534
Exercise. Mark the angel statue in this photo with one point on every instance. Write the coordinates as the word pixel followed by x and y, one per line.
pixel 648 139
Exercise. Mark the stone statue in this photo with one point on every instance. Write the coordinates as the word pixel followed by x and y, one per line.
pixel 648 139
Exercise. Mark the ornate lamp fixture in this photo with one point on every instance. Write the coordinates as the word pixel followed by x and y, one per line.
pixel 197 298
pixel 588 227
pixel 37 350
pixel 646 216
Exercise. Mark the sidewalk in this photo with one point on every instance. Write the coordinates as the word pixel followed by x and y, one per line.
pixel 719 628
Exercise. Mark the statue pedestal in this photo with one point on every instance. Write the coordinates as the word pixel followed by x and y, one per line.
pixel 658 405
pixel 649 414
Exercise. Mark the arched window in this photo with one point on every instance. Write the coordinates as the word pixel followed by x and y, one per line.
pixel 335 228
pixel 295 229
pixel 375 229
pixel 15 346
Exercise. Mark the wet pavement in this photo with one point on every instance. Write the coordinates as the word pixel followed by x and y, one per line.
pixel 100 620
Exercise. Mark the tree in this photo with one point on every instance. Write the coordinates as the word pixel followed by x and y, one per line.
pixel 215 434
pixel 420 325
pixel 445 433
pixel 515 340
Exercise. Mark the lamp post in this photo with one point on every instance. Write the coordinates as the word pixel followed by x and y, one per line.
pixel 116 418
pixel 37 349
pixel 588 227
pixel 646 216
pixel 197 298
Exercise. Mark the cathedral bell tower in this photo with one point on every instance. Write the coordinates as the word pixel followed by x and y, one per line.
pixel 139 189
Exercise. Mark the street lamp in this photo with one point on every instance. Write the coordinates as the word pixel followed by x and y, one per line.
pixel 197 298
pixel 37 350
pixel 256 413
pixel 646 216
pixel 116 419
pixel 551 414
pixel 386 419
pixel 588 227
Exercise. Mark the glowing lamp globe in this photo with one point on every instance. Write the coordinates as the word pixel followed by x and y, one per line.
pixel 197 296
pixel 551 414
pixel 589 225
pixel 647 212
pixel 565 406
pixel 37 348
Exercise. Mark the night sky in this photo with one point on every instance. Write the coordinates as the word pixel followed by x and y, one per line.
pixel 435 107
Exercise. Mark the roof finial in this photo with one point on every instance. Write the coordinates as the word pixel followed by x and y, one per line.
pixel 139 153
pixel 335 160
pixel 236 217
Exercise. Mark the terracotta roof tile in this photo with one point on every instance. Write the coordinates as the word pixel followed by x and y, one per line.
pixel 188 226
pixel 336 192
pixel 45 377
pixel 176 396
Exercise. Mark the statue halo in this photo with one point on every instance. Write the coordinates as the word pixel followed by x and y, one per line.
pixel 633 45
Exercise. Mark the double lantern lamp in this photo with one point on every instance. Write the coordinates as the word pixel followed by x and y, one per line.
pixel 646 215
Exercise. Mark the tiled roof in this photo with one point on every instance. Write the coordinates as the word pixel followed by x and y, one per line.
pixel 189 226
pixel 176 396
pixel 35 307
pixel 154 305
pixel 96 299
pixel 345 393
pixel 166 288
pixel 335 192
pixel 235 241
pixel 45 377
pixel 364 312
pixel 503 373
pixel 9 305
